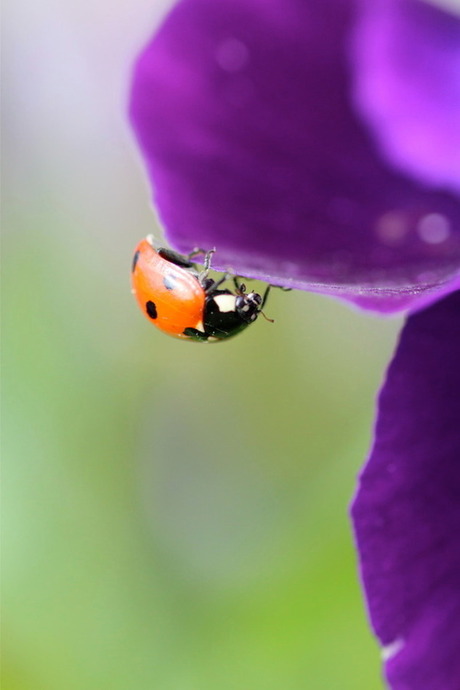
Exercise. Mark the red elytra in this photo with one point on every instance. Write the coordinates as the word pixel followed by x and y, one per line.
pixel 170 296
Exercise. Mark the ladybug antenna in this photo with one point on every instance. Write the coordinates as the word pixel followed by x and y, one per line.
pixel 266 317
pixel 264 301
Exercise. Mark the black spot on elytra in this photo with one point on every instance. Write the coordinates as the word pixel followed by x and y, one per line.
pixel 135 258
pixel 151 309
pixel 169 281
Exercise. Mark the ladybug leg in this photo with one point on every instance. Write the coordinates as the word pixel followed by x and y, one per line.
pixel 265 296
pixel 208 258
pixel 195 251
pixel 239 287
pixel 207 266
pixel 214 284
pixel 203 276
pixel 267 292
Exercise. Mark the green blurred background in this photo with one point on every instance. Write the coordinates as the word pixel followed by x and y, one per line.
pixel 175 514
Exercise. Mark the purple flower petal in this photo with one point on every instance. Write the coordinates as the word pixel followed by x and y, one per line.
pixel 407 510
pixel 408 86
pixel 250 117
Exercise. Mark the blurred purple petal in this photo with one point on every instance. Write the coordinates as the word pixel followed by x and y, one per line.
pixel 248 113
pixel 408 85
pixel 407 510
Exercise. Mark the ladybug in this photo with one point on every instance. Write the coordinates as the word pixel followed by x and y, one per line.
pixel 183 301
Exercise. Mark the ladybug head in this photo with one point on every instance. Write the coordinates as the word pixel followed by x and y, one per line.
pixel 248 306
